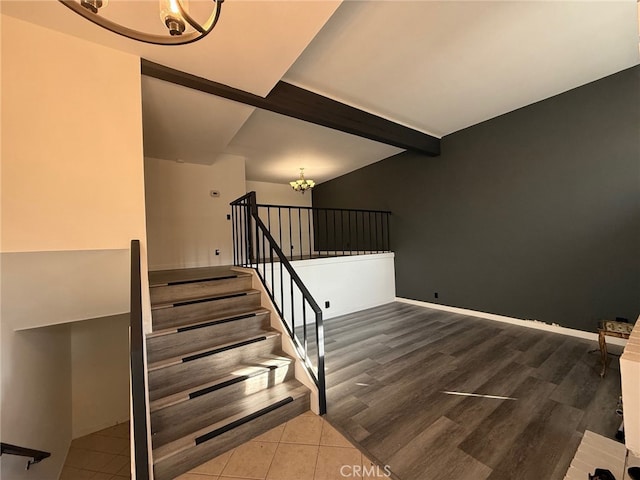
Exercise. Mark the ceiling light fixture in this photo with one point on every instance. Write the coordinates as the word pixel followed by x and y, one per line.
pixel 302 184
pixel 182 28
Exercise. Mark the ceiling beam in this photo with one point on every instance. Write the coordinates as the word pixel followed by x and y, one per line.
pixel 302 104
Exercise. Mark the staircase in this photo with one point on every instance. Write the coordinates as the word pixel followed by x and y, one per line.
pixel 217 374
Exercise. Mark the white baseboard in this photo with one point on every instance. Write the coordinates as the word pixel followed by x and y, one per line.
pixel 516 321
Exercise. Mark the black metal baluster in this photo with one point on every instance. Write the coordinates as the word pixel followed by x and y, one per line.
pixel 304 326
pixel 375 219
pixel 388 233
pixel 309 220
pixel 233 234
pixel 350 239
pixel 264 257
pixel 342 230
pixel 300 229
pixel 257 243
pixel 326 230
pixel 281 291
pixel 280 225
pixel 357 235
pixel 370 234
pixel 243 230
pixel 273 286
pixel 335 234
pixel 290 237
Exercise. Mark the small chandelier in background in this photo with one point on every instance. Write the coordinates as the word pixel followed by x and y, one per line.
pixel 182 28
pixel 302 184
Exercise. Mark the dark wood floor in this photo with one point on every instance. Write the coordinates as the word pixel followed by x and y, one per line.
pixel 387 369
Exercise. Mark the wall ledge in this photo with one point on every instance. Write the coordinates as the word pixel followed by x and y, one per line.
pixel 342 259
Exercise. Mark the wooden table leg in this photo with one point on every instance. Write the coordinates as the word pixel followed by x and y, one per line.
pixel 603 352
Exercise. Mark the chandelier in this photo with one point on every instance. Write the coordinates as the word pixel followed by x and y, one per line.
pixel 302 184
pixel 182 28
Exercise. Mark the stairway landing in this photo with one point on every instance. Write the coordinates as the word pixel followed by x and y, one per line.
pixel 184 275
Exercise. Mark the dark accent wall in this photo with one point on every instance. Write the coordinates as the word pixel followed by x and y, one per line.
pixel 534 214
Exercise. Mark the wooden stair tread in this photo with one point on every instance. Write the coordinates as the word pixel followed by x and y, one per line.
pixel 262 365
pixel 234 412
pixel 206 321
pixel 171 277
pixel 204 298
pixel 231 341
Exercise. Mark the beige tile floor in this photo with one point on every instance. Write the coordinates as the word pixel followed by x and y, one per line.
pixel 305 448
pixel 103 455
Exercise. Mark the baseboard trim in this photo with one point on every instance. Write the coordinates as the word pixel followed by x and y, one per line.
pixel 516 321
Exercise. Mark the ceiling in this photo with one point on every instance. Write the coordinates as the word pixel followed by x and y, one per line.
pixel 434 66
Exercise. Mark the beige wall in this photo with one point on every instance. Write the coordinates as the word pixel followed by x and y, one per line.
pixel 184 223
pixel 99 373
pixel 72 182
pixel 278 194
pixel 72 176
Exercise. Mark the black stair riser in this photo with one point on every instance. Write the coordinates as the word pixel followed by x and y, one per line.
pixel 200 280
pixel 201 300
pixel 228 383
pixel 215 322
pixel 160 386
pixel 173 466
pixel 189 313
pixel 242 421
pixel 222 349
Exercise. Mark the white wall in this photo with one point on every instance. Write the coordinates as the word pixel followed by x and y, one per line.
pixel 36 397
pixel 630 374
pixel 349 283
pixel 185 225
pixel 72 183
pixel 51 287
pixel 99 373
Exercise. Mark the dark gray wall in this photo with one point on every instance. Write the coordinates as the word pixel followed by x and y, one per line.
pixel 534 214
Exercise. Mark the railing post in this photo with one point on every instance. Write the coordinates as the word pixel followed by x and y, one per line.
pixel 322 390
pixel 234 234
pixel 252 213
pixel 138 385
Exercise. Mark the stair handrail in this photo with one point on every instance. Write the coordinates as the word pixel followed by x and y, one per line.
pixel 35 455
pixel 252 258
pixel 138 383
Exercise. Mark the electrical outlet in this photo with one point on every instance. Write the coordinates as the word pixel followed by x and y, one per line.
pixel 217 251
pixel 228 217
pixel 435 295
pixel 327 304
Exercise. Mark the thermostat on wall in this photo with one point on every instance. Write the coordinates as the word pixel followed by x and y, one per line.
pixel 214 193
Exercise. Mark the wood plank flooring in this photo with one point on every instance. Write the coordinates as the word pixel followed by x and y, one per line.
pixel 387 369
